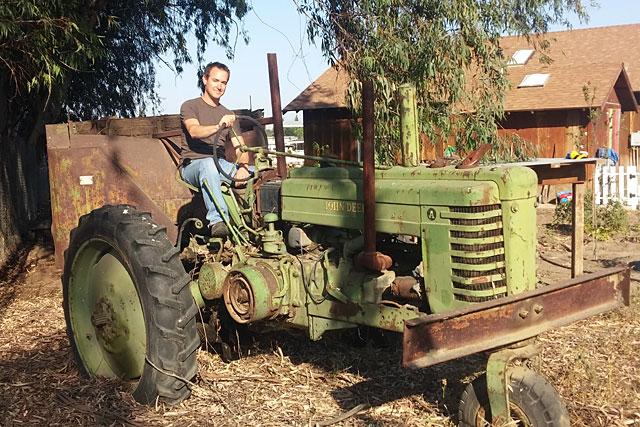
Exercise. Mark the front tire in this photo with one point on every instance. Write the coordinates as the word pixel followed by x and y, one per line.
pixel 127 304
pixel 532 402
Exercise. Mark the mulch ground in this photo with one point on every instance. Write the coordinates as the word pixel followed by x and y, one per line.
pixel 285 379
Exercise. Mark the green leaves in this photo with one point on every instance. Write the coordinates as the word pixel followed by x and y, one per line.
pixel 449 50
pixel 96 57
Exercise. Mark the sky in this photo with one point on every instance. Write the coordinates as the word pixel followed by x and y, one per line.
pixel 274 26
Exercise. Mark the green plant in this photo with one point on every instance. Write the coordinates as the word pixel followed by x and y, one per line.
pixel 511 148
pixel 610 219
pixel 449 51
pixel 319 150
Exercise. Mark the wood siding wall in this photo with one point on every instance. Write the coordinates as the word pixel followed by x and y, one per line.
pixel 331 128
pixel 552 133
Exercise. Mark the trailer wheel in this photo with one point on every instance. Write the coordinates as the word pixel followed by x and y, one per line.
pixel 128 306
pixel 532 402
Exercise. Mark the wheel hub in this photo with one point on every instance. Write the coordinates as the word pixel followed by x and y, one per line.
pixel 105 321
pixel 106 314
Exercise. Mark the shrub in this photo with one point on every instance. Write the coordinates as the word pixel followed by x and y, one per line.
pixel 609 220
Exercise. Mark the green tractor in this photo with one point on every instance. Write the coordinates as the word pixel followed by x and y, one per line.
pixel 444 256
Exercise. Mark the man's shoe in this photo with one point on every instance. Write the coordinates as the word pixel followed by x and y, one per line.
pixel 219 229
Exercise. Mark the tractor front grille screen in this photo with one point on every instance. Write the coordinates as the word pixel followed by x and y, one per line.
pixel 477 253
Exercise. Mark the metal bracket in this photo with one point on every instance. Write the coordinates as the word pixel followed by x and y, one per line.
pixel 498 380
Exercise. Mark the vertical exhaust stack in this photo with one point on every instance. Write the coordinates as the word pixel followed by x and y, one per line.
pixel 409 126
pixel 276 112
pixel 369 258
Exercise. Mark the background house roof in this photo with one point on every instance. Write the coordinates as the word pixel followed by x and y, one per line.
pixel 565 87
pixel 327 91
pixel 591 57
pixel 616 44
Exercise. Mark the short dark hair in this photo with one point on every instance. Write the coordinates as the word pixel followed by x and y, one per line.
pixel 218 65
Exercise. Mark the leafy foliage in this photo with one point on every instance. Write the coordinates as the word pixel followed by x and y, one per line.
pixel 449 50
pixel 610 219
pixel 83 59
pixel 96 57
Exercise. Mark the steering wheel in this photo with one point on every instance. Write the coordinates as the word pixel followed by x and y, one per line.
pixel 262 133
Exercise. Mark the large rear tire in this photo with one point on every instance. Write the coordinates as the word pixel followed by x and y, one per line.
pixel 127 304
pixel 533 402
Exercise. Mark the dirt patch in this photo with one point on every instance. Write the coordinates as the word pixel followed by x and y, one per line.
pixel 287 380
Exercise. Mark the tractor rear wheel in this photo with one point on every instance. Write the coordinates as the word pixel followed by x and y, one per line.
pixel 127 304
pixel 533 402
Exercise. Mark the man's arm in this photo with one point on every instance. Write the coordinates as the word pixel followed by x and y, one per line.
pixel 196 130
pixel 243 157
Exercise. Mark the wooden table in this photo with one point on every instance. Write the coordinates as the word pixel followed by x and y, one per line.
pixel 574 172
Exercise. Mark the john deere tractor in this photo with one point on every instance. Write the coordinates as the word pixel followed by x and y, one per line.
pixel 445 256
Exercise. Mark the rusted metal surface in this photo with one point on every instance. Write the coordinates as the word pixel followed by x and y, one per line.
pixel 368 171
pixel 375 261
pixel 276 111
pixel 437 338
pixel 369 258
pixel 405 287
pixel 474 157
pixel 249 294
pixel 89 171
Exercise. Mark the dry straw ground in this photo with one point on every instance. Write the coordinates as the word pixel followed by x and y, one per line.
pixel 287 380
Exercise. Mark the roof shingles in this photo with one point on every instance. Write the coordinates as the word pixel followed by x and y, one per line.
pixel 591 57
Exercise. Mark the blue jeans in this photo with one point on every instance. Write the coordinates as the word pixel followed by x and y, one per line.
pixel 197 171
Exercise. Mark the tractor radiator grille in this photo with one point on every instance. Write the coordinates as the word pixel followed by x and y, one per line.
pixel 477 253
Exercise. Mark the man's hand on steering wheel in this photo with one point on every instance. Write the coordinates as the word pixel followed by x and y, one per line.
pixel 227 121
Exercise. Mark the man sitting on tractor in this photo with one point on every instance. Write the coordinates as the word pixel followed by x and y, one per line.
pixel 202 118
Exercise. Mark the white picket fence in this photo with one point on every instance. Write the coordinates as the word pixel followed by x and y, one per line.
pixel 617 183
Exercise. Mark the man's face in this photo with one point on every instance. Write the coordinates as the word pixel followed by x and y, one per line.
pixel 216 84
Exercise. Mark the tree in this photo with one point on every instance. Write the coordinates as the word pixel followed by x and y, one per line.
pixel 436 46
pixel 83 59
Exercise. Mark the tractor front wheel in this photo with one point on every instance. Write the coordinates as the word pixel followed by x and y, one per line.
pixel 127 304
pixel 533 402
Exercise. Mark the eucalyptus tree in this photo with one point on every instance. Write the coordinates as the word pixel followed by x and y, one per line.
pixel 450 50
pixel 83 59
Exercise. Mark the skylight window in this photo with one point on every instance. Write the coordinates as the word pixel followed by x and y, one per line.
pixel 534 80
pixel 520 57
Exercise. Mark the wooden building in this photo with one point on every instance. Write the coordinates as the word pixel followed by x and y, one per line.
pixel 582 99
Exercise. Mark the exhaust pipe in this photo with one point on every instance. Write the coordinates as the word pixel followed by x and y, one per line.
pixel 369 258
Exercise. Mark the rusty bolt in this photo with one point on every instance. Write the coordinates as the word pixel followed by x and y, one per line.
pixel 523 314
pixel 514 208
pixel 538 308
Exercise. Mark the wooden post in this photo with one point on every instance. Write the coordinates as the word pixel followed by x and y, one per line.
pixel 577 229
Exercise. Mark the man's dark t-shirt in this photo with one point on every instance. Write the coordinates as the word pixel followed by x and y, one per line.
pixel 196 148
